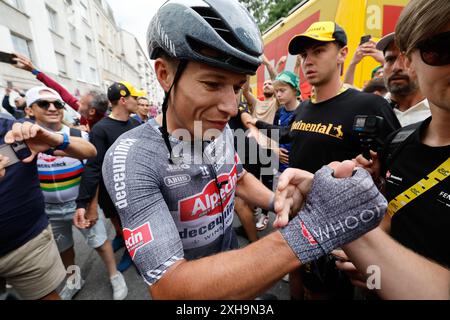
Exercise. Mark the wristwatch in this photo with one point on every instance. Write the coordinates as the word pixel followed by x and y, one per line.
pixel 63 146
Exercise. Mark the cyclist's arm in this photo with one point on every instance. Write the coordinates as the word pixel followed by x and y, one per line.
pixel 156 248
pixel 229 275
pixel 418 278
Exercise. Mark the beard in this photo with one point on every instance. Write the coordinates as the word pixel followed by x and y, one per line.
pixel 402 90
pixel 268 94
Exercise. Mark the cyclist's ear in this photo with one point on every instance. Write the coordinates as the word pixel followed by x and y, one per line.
pixel 165 73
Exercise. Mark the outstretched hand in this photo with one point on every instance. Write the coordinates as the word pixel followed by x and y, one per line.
pixel 294 186
pixel 23 62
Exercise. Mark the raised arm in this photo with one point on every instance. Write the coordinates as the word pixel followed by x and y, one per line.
pixel 39 140
pixel 270 68
pixel 25 64
pixel 249 97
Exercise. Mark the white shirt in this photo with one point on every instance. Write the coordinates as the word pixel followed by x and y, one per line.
pixel 417 113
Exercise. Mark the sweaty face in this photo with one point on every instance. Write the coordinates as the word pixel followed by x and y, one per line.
pixel 204 94
pixel 321 62
pixel 285 93
pixel 399 79
pixel 433 81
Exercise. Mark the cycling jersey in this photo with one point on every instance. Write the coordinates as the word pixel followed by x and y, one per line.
pixel 172 211
pixel 60 176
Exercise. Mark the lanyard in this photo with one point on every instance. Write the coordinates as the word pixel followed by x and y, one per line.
pixel 435 177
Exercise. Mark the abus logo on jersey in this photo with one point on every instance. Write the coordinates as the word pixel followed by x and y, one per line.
pixel 137 238
pixel 208 201
pixel 174 181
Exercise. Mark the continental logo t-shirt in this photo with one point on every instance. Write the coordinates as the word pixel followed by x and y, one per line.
pixel 323 132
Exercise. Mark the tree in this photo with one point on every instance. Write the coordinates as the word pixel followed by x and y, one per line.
pixel 278 10
pixel 267 12
pixel 258 9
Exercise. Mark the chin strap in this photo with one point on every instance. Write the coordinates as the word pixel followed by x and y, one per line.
pixel 165 106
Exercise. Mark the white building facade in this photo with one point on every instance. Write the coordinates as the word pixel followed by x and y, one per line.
pixel 76 42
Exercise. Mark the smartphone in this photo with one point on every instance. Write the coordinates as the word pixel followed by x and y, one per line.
pixel 7 57
pixel 365 39
pixel 16 152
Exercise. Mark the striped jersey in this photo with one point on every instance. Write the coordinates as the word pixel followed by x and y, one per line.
pixel 60 177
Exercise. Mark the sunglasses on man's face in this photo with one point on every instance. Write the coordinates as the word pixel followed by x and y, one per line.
pixel 46 104
pixel 435 50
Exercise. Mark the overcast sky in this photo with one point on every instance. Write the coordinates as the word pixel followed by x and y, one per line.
pixel 134 16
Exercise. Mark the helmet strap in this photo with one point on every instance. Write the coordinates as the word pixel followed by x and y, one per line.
pixel 181 67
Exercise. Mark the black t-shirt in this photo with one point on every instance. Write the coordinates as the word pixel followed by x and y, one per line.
pixel 22 213
pixel 249 161
pixel 423 224
pixel 323 132
pixel 102 136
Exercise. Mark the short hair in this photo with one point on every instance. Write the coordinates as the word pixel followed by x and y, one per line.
pixel 99 101
pixel 420 20
pixel 376 84
pixel 173 62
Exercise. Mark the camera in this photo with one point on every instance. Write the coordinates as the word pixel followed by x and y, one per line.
pixel 16 152
pixel 368 128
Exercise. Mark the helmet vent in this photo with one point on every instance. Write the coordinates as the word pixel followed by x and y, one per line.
pixel 218 25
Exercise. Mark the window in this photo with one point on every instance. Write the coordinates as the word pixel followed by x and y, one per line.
pixel 111 62
pixel 118 66
pixel 15 3
pixel 78 70
pixel 52 19
pixel 104 58
pixel 89 45
pixel 61 62
pixel 93 75
pixel 21 46
pixel 73 34
pixel 84 11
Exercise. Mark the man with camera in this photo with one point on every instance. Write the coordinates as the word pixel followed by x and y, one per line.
pixel 322 129
pixel 415 165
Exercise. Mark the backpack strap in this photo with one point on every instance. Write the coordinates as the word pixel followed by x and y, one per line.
pixel 398 142
pixel 75 132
